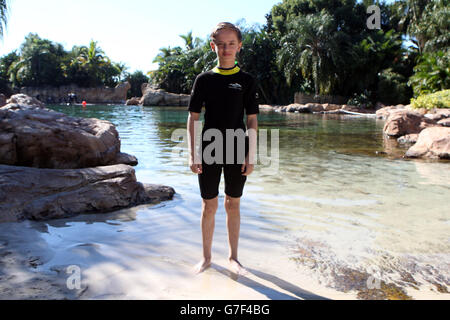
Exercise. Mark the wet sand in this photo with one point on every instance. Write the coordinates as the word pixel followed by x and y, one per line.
pixel 143 253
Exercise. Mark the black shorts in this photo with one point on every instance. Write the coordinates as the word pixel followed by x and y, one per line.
pixel 209 179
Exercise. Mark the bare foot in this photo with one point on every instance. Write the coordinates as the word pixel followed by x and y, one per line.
pixel 202 266
pixel 237 267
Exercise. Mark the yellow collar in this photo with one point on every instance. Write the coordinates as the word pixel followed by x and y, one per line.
pixel 226 72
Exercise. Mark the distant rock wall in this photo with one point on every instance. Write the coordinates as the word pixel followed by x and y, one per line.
pixel 90 95
pixel 300 98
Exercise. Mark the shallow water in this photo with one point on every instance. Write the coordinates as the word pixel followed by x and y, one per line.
pixel 334 207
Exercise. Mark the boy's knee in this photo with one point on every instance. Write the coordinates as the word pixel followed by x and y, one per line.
pixel 210 205
pixel 231 203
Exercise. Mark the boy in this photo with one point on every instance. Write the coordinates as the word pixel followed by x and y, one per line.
pixel 226 92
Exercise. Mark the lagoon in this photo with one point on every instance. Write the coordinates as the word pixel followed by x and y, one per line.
pixel 337 219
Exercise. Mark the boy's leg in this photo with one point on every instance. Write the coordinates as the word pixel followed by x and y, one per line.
pixel 209 181
pixel 234 186
pixel 232 207
pixel 209 208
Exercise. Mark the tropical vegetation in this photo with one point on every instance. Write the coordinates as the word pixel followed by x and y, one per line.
pixel 314 47
pixel 439 99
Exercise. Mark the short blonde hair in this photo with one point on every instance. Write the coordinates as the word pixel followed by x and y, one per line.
pixel 225 26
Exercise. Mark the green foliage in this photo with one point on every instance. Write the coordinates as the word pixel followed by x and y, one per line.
pixel 311 46
pixel 426 22
pixel 3 16
pixel 178 67
pixel 361 100
pixel 42 62
pixel 440 99
pixel 432 73
pixel 392 88
pixel 39 63
pixel 136 80
pixel 5 64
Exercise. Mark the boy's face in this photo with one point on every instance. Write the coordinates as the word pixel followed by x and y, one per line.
pixel 226 46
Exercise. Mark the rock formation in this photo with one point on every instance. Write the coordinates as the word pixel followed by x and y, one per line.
pixel 159 97
pixel 53 165
pixel 2 100
pixel 427 129
pixel 432 142
pixel 40 194
pixel 31 135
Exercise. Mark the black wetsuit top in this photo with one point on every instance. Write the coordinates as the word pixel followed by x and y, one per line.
pixel 226 94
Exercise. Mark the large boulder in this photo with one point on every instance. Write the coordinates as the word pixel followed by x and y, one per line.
pixel 23 99
pixel 402 122
pixel 32 135
pixel 41 194
pixel 159 97
pixel 433 142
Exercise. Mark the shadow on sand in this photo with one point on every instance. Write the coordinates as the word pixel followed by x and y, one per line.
pixel 270 293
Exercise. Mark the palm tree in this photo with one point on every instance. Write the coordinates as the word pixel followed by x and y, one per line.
pixel 188 40
pixel 432 73
pixel 93 55
pixel 411 12
pixel 309 48
pixel 121 69
pixel 3 16
pixel 92 59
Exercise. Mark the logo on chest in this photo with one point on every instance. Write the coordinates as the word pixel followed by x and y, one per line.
pixel 235 86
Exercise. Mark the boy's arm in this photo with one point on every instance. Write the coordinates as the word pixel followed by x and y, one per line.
pixel 252 129
pixel 194 108
pixel 194 160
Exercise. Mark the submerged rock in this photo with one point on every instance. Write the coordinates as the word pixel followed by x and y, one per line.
pixel 41 194
pixel 408 138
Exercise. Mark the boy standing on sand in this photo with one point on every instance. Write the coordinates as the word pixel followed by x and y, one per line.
pixel 226 92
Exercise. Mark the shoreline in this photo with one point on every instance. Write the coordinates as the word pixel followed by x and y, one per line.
pixel 114 264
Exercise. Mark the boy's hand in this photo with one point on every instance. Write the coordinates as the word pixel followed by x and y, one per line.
pixel 195 167
pixel 247 168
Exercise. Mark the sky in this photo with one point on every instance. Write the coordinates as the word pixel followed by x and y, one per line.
pixel 130 31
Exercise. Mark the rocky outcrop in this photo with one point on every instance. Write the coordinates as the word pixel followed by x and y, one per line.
pixel 159 97
pixel 402 122
pixel 41 194
pixel 53 165
pixel 385 112
pixel 444 122
pixel 133 101
pixel 433 142
pixel 90 95
pixel 408 138
pixel 315 108
pixel 31 135
pixel 426 129
pixel 23 99
pixel 2 99
pixel 302 98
